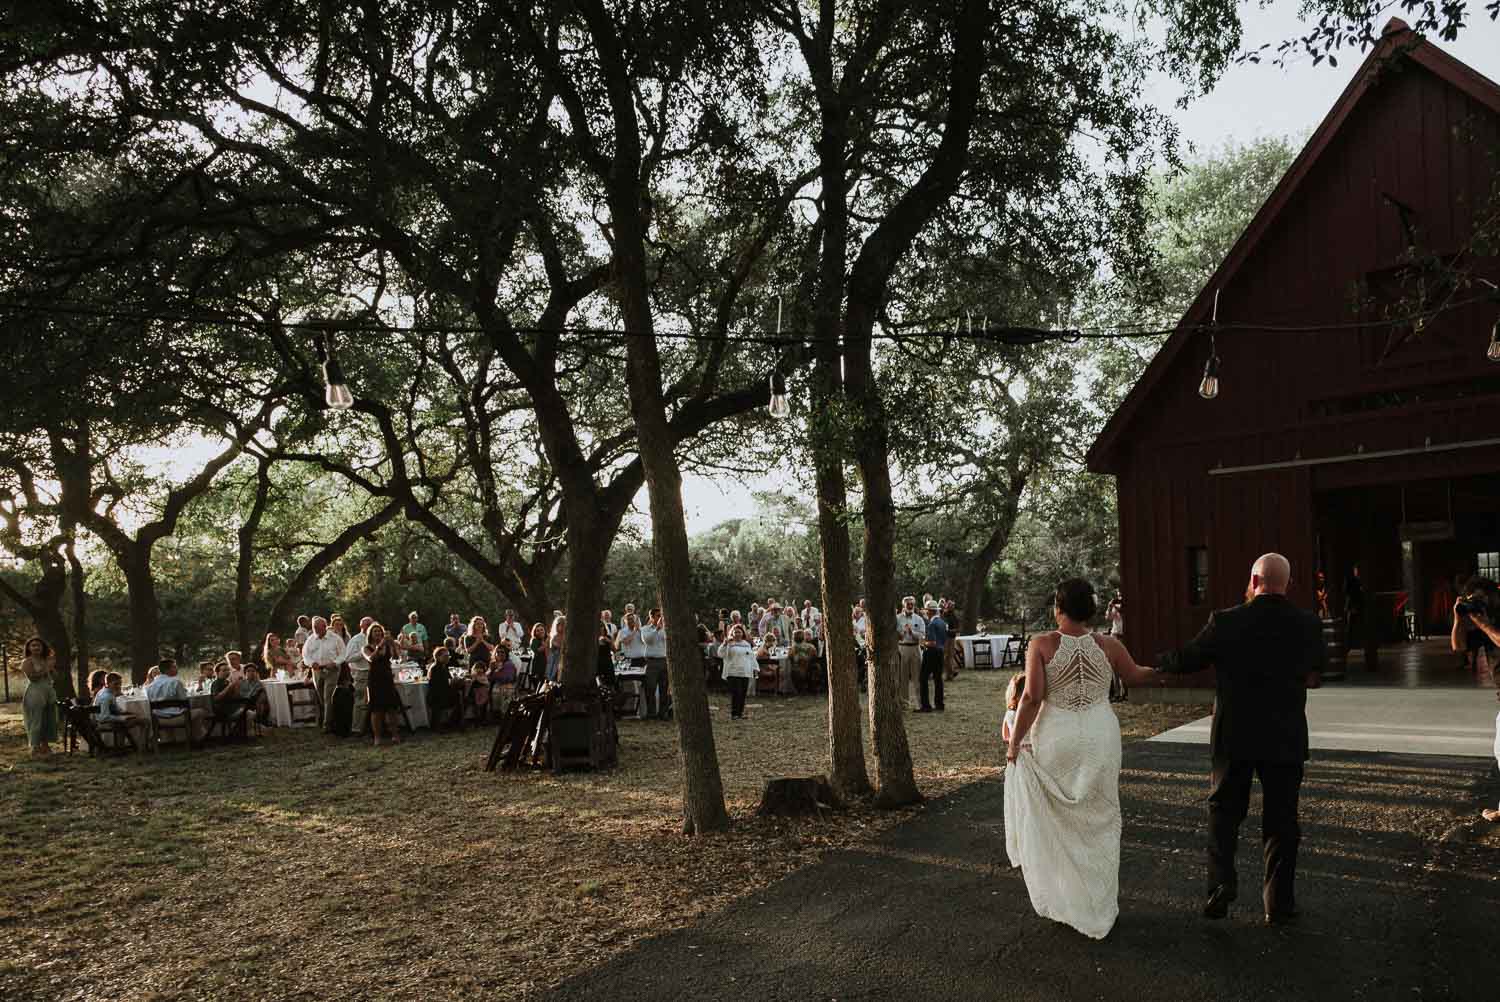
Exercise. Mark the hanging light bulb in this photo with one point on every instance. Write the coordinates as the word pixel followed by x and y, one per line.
pixel 336 388
pixel 780 407
pixel 1493 352
pixel 1209 388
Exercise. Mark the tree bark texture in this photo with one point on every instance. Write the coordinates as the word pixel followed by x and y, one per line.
pixel 145 613
pixel 44 606
pixel 79 579
pixel 846 751
pixel 245 561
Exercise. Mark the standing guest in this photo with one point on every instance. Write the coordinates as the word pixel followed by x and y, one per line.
pixel 739 668
pixel 167 685
pixel 303 630
pixel 358 664
pixel 439 688
pixel 861 623
pixel 1473 633
pixel 934 649
pixel 415 634
pixel 802 656
pixel 557 645
pixel 911 629
pixel 752 621
pixel 381 700
pixel 477 643
pixel 39 704
pixel 511 630
pixel 607 623
pixel 321 654
pixel 629 642
pixel 273 656
pixel 455 629
pixel 654 640
pixel 1116 616
pixel 502 676
pixel 541 647
pixel 338 627
pixel 812 619
pixel 604 666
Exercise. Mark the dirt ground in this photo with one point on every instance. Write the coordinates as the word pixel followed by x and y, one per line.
pixel 303 867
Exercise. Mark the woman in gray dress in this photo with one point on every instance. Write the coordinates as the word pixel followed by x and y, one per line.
pixel 39 705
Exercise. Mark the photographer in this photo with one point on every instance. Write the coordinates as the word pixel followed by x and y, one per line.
pixel 1475 630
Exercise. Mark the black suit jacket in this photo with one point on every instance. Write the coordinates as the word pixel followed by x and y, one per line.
pixel 1262 653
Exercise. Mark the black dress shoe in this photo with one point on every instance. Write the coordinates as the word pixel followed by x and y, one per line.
pixel 1217 905
pixel 1281 918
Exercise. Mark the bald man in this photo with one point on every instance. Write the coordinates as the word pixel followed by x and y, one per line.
pixel 1266 654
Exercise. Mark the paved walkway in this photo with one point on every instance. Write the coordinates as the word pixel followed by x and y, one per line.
pixel 1456 721
pixel 1398 887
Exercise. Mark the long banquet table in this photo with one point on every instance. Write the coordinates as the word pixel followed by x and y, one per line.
pixel 998 643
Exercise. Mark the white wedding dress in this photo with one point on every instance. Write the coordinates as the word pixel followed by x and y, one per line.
pixel 1062 795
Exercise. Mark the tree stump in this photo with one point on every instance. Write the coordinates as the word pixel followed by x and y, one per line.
pixel 798 797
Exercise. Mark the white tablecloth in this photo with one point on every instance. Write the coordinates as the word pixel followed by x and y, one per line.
pixel 280 703
pixel 140 706
pixel 998 642
pixel 414 696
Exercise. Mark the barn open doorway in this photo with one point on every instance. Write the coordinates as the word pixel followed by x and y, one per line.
pixel 1414 542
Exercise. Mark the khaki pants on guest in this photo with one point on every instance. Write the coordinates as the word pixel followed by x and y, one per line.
pixel 361 700
pixel 909 657
pixel 327 681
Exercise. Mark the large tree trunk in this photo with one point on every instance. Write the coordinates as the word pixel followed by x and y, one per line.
pixel 589 540
pixel 145 614
pixel 245 564
pixel 846 752
pixel 80 616
pixel 981 563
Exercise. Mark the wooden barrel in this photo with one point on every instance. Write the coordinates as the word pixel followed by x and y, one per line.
pixel 1333 648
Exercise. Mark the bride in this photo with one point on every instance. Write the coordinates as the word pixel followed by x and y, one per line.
pixel 1062 780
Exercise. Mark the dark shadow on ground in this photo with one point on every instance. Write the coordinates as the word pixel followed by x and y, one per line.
pixel 1398 888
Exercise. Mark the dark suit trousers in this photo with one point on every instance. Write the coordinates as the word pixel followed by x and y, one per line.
pixel 1229 801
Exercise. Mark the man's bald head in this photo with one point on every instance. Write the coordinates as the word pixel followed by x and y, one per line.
pixel 1270 575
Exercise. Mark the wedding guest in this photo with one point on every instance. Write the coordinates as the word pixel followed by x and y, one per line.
pixel 303 630
pixel 273 657
pixel 382 701
pixel 477 643
pixel 166 686
pixel 812 619
pixel 1116 616
pixel 911 628
pixel 739 668
pixel 861 624
pixel 510 629
pixel 629 643
pixel 502 676
pixel 152 674
pixel 455 628
pixel 654 644
pixel 607 623
pixel 803 657
pixel 338 627
pixel 540 648
pixel 358 663
pixel 439 688
pixel 556 647
pixel 39 704
pixel 112 711
pixel 253 692
pixel 415 634
pixel 1013 690
pixel 321 654
pixel 224 692
pixel 96 682
pixel 934 649
pixel 604 666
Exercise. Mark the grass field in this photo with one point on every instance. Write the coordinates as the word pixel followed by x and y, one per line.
pixel 303 867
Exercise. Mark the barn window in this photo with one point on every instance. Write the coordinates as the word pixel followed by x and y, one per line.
pixel 1489 566
pixel 1197 568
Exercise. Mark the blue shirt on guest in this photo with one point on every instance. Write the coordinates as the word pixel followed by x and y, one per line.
pixel 937 632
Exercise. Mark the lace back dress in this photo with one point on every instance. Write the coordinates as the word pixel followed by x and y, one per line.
pixel 1062 794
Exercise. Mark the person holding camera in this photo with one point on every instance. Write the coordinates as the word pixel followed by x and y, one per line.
pixel 1474 627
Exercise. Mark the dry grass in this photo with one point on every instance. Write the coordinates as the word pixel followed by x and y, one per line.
pixel 304 867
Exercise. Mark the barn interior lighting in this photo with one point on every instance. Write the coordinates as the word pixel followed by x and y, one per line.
pixel 335 386
pixel 780 407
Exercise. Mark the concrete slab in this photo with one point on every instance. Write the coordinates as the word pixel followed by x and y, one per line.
pixel 1385 719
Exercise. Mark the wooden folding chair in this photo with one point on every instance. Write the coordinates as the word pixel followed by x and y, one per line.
pixel 984 654
pixel 173 721
pixel 304 705
pixel 238 721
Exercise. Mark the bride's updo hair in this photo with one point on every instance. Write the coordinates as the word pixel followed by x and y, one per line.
pixel 1077 600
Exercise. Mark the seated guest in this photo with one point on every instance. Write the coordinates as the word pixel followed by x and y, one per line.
pixel 96 682
pixel 224 691
pixel 439 688
pixel 254 693
pixel 166 685
pixel 152 674
pixel 767 646
pixel 801 655
pixel 112 711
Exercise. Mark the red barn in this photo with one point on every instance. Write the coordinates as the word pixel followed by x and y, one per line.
pixel 1337 436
